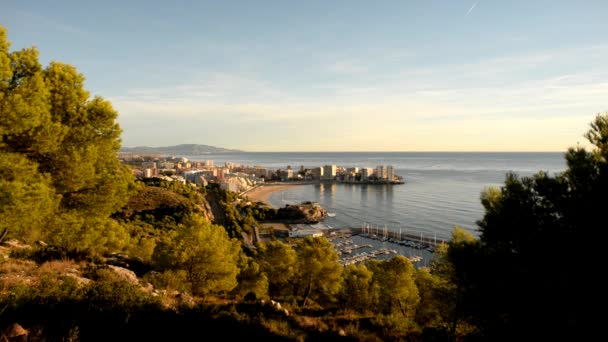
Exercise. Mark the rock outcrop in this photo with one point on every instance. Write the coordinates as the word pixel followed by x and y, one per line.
pixel 306 212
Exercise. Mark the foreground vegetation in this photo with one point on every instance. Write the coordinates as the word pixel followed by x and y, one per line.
pixel 89 253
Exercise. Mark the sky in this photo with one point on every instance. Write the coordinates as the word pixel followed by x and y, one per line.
pixel 324 75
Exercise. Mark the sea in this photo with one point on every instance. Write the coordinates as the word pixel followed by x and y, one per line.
pixel 440 190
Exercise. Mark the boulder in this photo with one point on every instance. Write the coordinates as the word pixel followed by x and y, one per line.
pixel 16 332
pixel 124 274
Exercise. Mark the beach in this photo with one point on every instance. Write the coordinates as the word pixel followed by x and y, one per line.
pixel 261 192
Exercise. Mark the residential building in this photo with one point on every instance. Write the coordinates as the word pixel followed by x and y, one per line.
pixel 148 165
pixel 316 173
pixel 230 186
pixel 381 172
pixel 285 174
pixel 329 172
pixel 201 180
pixel 220 173
pixel 390 173
pixel 366 172
pixel 167 165
pixel 149 173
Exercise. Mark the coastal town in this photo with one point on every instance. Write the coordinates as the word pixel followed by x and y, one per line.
pixel 304 219
pixel 298 220
pixel 239 178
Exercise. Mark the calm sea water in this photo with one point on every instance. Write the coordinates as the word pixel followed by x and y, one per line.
pixel 441 189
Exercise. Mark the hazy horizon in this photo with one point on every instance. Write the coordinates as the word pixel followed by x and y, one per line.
pixel 282 76
pixel 237 150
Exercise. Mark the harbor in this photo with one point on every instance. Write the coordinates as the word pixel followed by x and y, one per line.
pixel 356 245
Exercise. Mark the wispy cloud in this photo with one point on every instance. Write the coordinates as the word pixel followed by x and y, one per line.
pixel 48 22
pixel 472 8
pixel 450 106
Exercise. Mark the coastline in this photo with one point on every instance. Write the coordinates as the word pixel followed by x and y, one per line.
pixel 263 191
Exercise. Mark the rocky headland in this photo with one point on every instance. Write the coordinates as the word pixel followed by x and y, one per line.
pixel 305 212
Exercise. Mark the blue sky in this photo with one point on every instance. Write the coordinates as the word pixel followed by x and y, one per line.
pixel 333 75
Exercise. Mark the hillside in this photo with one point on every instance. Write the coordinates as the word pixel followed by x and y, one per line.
pixel 161 203
pixel 183 149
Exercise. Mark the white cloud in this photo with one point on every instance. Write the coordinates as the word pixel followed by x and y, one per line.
pixel 540 101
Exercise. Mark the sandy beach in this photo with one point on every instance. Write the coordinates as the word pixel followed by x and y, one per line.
pixel 261 193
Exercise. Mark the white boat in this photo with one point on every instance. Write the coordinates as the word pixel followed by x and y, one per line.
pixel 331 214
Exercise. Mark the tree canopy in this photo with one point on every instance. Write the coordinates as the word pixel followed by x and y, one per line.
pixel 58 150
pixel 205 252
pixel 319 273
pixel 520 279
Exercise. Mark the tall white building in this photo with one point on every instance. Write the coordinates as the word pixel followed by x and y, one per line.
pixel 317 173
pixel 381 172
pixel 366 172
pixel 390 173
pixel 329 172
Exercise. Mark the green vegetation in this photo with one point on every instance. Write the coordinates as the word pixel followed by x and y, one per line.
pixel 58 151
pixel 204 252
pixel 534 235
pixel 88 253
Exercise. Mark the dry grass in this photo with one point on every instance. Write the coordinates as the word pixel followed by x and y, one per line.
pixel 17 266
pixel 281 328
pixel 16 272
pixel 59 267
pixel 312 323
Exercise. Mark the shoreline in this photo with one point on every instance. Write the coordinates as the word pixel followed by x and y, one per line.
pixel 263 191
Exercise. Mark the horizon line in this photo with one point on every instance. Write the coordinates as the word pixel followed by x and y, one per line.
pixel 233 150
pixel 394 151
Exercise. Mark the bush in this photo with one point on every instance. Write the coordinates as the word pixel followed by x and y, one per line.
pixel 169 280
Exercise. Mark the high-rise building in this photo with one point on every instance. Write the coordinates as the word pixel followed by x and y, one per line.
pixel 366 172
pixel 381 172
pixel 390 173
pixel 329 172
pixel 317 173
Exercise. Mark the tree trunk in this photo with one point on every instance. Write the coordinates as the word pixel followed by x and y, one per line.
pixel 3 234
pixel 307 293
pixel 401 308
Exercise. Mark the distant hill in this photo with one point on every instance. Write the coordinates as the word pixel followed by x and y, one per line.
pixel 183 149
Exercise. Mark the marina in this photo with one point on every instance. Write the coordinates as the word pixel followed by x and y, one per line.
pixel 356 245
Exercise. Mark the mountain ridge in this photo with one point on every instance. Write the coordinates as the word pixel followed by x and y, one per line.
pixel 190 149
